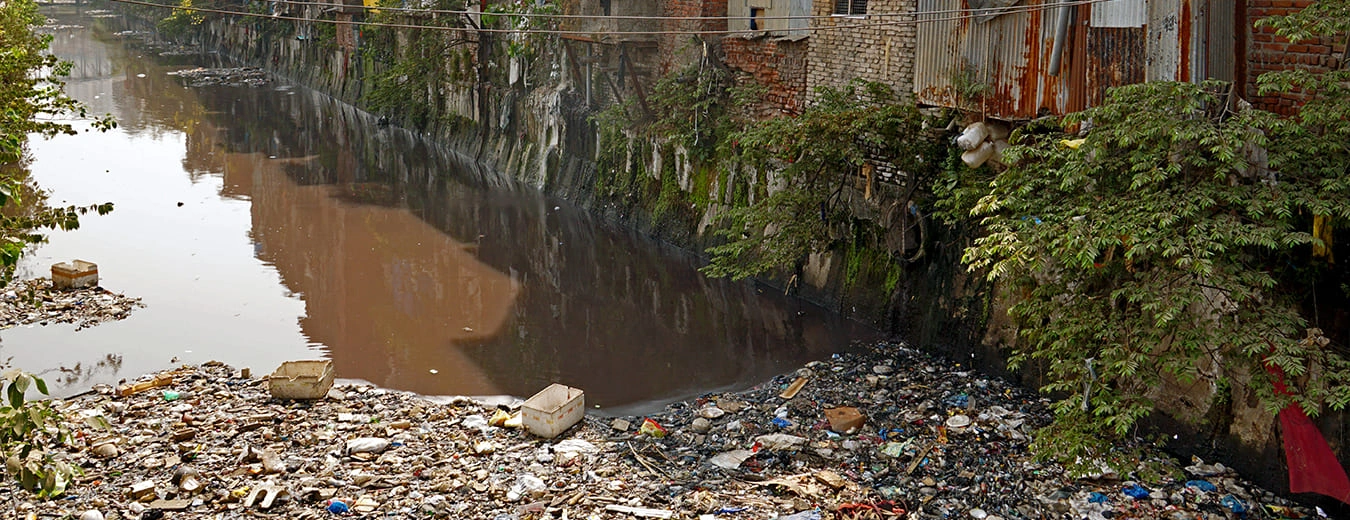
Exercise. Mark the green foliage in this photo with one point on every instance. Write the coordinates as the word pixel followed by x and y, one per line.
pixel 181 21
pixel 523 46
pixel 405 90
pixel 699 108
pixel 31 101
pixel 1157 251
pixel 29 433
pixel 30 93
pixel 813 157
pixel 958 188
pixel 1318 148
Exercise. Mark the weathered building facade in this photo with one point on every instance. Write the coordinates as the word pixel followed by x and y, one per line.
pixel 1265 52
pixel 862 39
pixel 1043 57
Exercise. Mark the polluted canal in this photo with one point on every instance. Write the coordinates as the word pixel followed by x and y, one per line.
pixel 262 222
pixel 259 221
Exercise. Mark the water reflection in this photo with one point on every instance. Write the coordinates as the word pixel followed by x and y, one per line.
pixel 418 270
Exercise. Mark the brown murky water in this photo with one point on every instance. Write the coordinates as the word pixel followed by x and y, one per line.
pixel 306 230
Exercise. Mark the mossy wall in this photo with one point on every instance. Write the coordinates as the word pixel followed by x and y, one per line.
pixel 528 119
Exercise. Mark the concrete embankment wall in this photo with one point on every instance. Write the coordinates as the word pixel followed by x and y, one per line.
pixel 529 125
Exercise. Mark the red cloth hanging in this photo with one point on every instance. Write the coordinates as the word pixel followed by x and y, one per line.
pixel 1313 467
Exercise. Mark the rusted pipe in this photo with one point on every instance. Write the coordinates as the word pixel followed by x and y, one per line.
pixel 1061 36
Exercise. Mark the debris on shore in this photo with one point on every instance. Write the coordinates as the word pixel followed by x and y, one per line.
pixel 883 433
pixel 36 301
pixel 227 77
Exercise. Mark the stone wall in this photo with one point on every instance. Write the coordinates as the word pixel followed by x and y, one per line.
pixel 778 64
pixel 677 50
pixel 873 47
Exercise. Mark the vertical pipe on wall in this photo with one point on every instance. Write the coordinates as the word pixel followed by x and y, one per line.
pixel 1061 36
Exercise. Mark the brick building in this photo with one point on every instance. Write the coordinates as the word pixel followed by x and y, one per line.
pixel 1010 60
pixel 1265 52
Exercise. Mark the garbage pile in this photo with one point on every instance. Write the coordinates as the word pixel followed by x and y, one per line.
pixel 35 301
pixel 228 77
pixel 882 433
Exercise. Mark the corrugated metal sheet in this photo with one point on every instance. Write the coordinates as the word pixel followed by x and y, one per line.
pixel 1169 38
pixel 1116 57
pixel 1119 13
pixel 800 9
pixel 1008 55
pixel 1111 44
pixel 1221 43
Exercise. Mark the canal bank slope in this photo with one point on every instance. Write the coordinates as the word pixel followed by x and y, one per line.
pixel 887 432
pixel 524 110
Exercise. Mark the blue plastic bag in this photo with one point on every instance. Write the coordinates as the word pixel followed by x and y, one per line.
pixel 1202 485
pixel 337 507
pixel 1233 504
pixel 1136 492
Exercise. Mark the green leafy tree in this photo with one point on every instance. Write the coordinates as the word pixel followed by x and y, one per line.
pixel 27 99
pixel 1161 248
pixel 31 101
pixel 808 162
pixel 182 21
pixel 30 433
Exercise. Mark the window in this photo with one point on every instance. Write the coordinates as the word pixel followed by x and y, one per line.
pixel 850 7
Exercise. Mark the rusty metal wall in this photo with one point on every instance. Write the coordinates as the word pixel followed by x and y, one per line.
pixel 1008 54
pixel 1170 33
pixel 1119 13
pixel 1221 43
pixel 1116 56
pixel 1111 44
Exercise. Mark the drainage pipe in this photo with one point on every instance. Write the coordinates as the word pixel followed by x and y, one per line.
pixel 1061 36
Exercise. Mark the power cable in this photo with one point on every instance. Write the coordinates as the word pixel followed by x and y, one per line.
pixel 892 23
pixel 971 11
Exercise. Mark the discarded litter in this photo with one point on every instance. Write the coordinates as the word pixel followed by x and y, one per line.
pixel 804 515
pixel 337 507
pixel 641 511
pixel 307 379
pixel 845 419
pixel 650 427
pixel 233 77
pixel 1136 492
pixel 553 410
pixel 225 446
pixel 37 301
pixel 1202 485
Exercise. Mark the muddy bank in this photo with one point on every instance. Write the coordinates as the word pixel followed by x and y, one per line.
pixel 931 440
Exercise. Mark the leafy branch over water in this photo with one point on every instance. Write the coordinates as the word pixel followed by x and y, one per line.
pixel 31 103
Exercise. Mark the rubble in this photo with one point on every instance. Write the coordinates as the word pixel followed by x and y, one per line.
pixel 227 449
pixel 35 301
pixel 228 77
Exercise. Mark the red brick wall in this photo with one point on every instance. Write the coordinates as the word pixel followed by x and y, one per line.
pixel 1267 52
pixel 677 50
pixel 778 65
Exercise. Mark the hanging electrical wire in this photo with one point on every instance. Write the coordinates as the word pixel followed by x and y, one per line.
pixel 971 12
pixel 821 28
